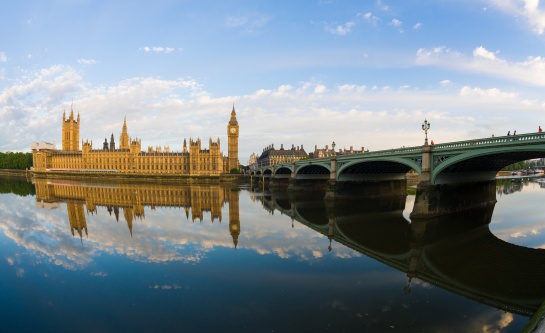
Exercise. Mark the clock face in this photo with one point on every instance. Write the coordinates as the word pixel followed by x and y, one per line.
pixel 233 130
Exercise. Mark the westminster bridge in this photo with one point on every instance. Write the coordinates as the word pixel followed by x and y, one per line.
pixel 383 172
pixel 456 252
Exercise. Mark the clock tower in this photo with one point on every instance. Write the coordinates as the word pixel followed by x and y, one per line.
pixel 232 142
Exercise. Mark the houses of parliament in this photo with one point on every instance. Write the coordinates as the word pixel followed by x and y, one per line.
pixel 128 157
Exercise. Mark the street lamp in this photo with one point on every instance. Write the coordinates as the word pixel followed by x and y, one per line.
pixel 426 127
pixel 333 147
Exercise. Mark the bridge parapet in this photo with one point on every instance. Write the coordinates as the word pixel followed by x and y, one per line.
pixel 493 141
pixel 389 152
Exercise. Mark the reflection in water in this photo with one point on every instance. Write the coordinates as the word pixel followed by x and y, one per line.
pixel 456 251
pixel 132 198
pixel 516 184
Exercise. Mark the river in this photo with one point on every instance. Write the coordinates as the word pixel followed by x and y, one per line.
pixel 207 258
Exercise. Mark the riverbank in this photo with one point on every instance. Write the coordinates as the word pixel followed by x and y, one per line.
pixel 132 177
pixel 15 173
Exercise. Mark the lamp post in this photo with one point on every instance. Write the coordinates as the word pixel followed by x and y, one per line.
pixel 426 127
pixel 333 148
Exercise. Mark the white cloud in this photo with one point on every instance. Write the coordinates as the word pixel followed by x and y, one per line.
pixel 86 61
pixel 382 6
pixel 531 70
pixel 530 10
pixel 369 17
pixel 340 30
pixel 487 93
pixel 3 57
pixel 31 108
pixel 157 49
pixel 445 83
pixel 417 26
pixel 483 53
pixel 351 88
pixel 396 23
pixel 320 89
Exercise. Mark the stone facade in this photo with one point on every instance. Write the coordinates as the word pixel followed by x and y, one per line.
pixel 272 156
pixel 129 157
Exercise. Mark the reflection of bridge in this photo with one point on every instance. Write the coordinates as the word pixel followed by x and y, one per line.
pixel 456 162
pixel 456 252
pixel 132 198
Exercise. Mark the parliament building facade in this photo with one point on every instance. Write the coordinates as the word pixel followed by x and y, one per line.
pixel 128 157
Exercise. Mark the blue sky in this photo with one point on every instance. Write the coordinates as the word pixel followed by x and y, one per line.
pixel 360 73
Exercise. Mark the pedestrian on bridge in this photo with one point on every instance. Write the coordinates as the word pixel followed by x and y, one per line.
pixel 515 132
pixel 540 130
pixel 508 133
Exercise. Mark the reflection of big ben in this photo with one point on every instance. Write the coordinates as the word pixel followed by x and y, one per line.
pixel 232 142
pixel 234 219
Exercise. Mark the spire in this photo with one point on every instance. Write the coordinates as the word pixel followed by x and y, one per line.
pixel 125 125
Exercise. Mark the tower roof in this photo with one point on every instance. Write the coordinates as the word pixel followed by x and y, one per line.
pixel 233 120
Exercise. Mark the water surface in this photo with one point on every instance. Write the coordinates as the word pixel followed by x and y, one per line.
pixel 141 258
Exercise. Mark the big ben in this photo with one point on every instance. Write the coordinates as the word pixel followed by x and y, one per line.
pixel 232 141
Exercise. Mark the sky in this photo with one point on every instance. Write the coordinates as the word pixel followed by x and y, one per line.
pixel 304 73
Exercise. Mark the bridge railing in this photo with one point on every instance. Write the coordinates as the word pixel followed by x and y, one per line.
pixel 492 141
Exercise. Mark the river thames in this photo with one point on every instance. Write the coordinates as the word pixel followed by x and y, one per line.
pixel 139 258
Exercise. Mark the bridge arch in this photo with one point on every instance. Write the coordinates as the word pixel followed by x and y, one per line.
pixel 313 171
pixel 283 172
pixel 479 164
pixel 376 169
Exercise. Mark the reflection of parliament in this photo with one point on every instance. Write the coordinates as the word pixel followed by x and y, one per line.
pixel 132 198
pixel 129 157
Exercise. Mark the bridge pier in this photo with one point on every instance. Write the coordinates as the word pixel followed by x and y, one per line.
pixel 444 199
pixel 341 190
pixel 276 184
pixel 425 175
pixel 307 185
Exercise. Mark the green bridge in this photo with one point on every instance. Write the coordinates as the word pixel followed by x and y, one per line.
pixel 449 163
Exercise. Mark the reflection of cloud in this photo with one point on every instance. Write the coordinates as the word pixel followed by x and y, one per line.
pixel 165 235
pixel 504 321
pixel 20 272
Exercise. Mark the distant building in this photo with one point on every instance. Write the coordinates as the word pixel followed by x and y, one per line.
pixel 252 162
pixel 326 152
pixel 272 156
pixel 129 157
